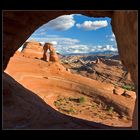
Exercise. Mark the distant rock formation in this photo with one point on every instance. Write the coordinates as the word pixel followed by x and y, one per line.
pixel 115 57
pixel 97 61
pixel 35 49
pixel 32 49
pixel 102 68
pixel 53 55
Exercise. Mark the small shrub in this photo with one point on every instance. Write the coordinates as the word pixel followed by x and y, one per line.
pixel 77 100
pixel 111 109
pixel 115 84
pixel 128 87
pixel 81 100
pixel 60 100
pixel 94 105
pixel 72 110
pixel 57 103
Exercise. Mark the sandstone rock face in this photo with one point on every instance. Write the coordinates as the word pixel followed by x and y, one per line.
pixel 125 28
pixel 53 56
pixel 118 91
pixel 124 25
pixel 32 50
pixel 126 93
pixel 130 94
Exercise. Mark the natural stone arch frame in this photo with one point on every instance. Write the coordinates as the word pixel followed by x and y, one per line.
pixel 19 25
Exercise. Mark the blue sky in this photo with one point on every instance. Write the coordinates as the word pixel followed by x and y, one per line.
pixel 77 34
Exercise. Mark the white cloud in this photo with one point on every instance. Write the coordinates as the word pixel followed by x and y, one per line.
pixel 67 41
pixel 113 35
pixel 99 46
pixel 53 36
pixel 42 43
pixel 76 51
pixel 110 36
pixel 92 49
pixel 62 44
pixel 61 23
pixel 92 25
pixel 79 48
pixel 58 40
pixel 112 39
pixel 54 42
pixel 110 48
pixel 66 45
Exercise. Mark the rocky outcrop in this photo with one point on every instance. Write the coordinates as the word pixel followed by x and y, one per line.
pixel 118 91
pixel 125 28
pixel 105 70
pixel 126 93
pixel 112 71
pixel 124 25
pixel 53 55
pixel 32 49
pixel 130 94
pixel 97 61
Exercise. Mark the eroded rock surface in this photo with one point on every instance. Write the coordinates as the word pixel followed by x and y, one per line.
pixel 47 81
pixel 32 49
pixel 52 56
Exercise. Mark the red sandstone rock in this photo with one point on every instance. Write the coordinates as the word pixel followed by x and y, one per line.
pixel 53 56
pixel 32 49
pixel 118 91
pixel 131 94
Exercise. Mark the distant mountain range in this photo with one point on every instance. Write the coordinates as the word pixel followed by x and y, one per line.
pixel 105 52
pixel 95 53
